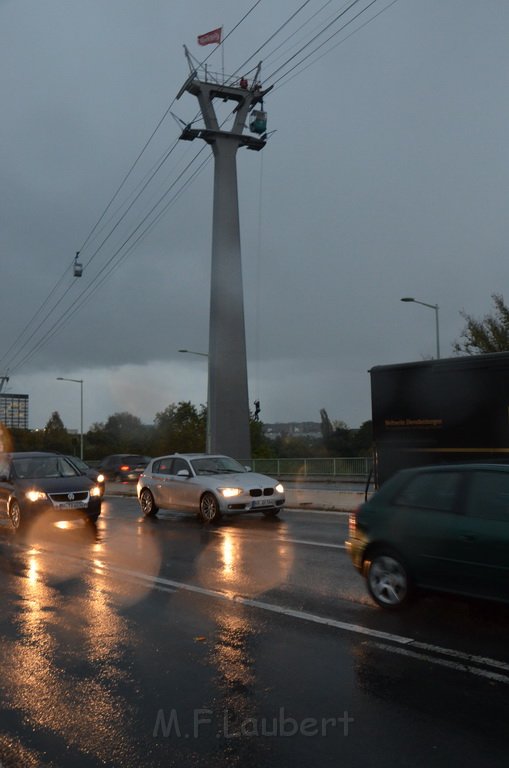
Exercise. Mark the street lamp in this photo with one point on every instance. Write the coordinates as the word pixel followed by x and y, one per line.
pixel 80 382
pixel 190 352
pixel 431 306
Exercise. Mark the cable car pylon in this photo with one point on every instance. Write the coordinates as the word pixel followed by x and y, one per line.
pixel 228 402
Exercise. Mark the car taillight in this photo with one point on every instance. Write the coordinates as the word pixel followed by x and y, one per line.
pixel 352 523
pixel 124 467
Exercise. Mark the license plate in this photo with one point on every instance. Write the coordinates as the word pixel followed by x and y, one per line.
pixel 263 503
pixel 71 505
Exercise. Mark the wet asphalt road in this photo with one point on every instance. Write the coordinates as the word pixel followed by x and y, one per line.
pixel 166 643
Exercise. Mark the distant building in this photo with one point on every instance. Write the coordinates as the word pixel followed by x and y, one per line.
pixel 14 411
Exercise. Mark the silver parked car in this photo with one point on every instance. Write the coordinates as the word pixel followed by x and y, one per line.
pixel 207 485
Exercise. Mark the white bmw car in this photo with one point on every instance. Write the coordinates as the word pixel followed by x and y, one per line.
pixel 207 485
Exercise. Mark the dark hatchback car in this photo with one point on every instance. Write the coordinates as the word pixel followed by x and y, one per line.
pixel 444 529
pixel 32 484
pixel 122 467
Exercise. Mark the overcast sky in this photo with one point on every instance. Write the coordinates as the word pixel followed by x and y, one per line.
pixel 386 175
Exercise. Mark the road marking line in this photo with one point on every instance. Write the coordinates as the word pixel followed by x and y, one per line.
pixel 311 543
pixel 285 540
pixel 402 645
pixel 458 666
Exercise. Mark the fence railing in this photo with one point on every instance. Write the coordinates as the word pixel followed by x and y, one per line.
pixel 327 468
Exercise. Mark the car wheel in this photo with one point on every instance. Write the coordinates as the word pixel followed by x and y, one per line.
pixel 148 505
pixel 15 514
pixel 209 508
pixel 388 581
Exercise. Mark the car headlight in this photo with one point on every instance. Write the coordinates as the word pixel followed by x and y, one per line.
pixel 229 492
pixel 95 491
pixel 100 479
pixel 280 488
pixel 35 495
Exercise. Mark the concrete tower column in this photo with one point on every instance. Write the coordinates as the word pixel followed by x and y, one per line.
pixel 228 400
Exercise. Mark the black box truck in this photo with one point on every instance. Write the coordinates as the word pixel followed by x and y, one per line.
pixel 440 412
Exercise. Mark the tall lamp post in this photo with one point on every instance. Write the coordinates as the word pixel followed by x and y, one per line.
pixel 431 306
pixel 80 382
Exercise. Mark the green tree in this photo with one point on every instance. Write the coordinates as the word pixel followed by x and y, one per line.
pixel 261 446
pixel 362 440
pixel 298 447
pixel 180 428
pixel 24 440
pixel 122 433
pixel 491 334
pixel 56 436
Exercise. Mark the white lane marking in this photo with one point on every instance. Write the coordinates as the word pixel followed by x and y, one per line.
pixel 311 543
pixel 403 645
pixel 467 657
pixel 456 665
pixel 233 597
pixel 257 536
pixel 286 540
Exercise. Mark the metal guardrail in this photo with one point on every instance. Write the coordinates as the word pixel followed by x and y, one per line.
pixel 327 468
pixel 317 469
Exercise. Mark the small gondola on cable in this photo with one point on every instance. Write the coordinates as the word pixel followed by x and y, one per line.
pixel 77 267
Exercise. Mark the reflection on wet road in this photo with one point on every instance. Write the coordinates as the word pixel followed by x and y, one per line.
pixel 164 642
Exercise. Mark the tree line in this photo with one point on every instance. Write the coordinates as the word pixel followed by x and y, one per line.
pixel 182 428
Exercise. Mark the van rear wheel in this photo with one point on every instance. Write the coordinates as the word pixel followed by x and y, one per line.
pixel 388 581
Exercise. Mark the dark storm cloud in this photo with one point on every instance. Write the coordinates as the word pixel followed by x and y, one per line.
pixel 386 176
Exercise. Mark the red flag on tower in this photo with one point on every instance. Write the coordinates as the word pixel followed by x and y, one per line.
pixel 210 37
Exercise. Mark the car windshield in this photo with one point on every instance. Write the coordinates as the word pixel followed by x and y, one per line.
pixel 43 466
pixel 79 463
pixel 216 465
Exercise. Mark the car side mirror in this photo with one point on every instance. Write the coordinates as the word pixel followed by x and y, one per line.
pixel 247 468
pixel 183 473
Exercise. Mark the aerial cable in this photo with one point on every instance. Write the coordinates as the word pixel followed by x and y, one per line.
pixel 315 37
pixel 32 320
pixel 34 332
pixel 97 280
pixel 101 218
pixel 273 35
pixel 168 111
pixel 111 264
pixel 134 195
pixel 343 39
pixel 271 54
pixel 127 175
pixel 91 289
pixel 130 206
pixel 58 284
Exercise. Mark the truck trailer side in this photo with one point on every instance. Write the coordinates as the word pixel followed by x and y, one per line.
pixel 440 411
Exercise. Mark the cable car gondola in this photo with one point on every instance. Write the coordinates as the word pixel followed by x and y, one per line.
pixel 258 121
pixel 77 267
